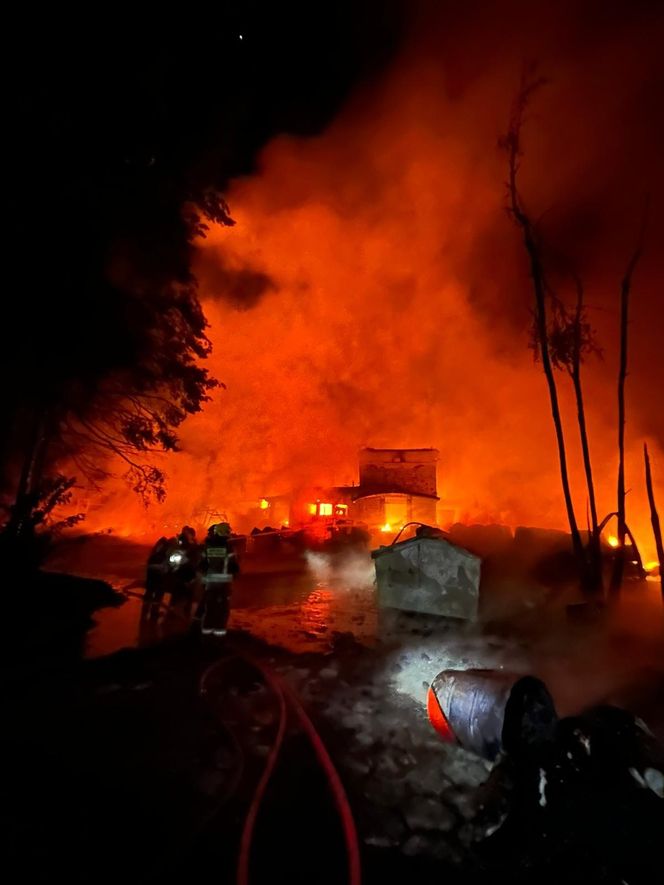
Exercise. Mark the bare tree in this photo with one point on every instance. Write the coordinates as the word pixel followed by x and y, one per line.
pixel 511 143
pixel 571 340
pixel 625 290
pixel 654 517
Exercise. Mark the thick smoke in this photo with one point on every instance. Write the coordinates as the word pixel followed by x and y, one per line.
pixel 374 291
pixel 350 570
pixel 241 287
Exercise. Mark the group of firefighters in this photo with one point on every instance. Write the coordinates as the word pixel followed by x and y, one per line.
pixel 196 572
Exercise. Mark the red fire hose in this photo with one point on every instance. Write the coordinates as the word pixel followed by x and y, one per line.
pixel 285 694
pixel 289 701
pixel 252 815
pixel 336 787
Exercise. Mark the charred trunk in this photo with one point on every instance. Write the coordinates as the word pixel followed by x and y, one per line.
pixel 619 567
pixel 543 341
pixel 654 517
pixel 594 582
pixel 593 577
pixel 512 143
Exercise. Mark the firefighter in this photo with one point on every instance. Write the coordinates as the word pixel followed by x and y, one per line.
pixel 219 566
pixel 187 564
pixel 187 538
pixel 157 570
pixel 184 558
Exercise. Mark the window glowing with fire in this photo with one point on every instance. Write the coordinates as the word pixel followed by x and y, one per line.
pixel 326 508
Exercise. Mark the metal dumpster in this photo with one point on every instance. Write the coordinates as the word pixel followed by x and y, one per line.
pixel 428 575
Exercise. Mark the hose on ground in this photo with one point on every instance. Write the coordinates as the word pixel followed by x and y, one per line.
pixel 288 701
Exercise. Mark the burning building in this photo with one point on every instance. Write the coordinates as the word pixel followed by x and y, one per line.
pixel 395 486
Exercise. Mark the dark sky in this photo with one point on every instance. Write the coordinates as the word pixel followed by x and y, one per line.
pixel 207 85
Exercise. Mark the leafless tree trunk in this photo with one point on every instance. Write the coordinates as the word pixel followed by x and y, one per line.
pixel 513 147
pixel 595 549
pixel 654 517
pixel 625 289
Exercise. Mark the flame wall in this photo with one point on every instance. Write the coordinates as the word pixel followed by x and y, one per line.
pixel 373 291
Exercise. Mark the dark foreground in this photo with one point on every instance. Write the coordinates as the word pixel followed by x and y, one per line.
pixel 122 768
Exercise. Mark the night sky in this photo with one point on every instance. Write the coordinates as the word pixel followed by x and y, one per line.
pixel 191 84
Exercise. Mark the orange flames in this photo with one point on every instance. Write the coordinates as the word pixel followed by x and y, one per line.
pixel 373 293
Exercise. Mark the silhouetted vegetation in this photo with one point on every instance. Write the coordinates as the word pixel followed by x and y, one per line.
pixel 512 144
pixel 562 340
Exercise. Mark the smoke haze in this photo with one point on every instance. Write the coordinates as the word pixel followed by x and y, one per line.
pixel 374 292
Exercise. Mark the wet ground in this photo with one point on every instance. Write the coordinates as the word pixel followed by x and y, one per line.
pixel 294 603
pixel 364 675
pixel 301 605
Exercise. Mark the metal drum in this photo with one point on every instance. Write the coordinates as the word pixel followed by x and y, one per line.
pixel 487 711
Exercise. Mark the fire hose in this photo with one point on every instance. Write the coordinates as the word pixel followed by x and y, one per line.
pixel 287 702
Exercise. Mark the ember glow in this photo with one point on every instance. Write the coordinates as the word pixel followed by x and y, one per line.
pixel 373 293
pixel 613 541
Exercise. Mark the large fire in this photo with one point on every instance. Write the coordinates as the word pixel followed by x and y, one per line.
pixel 373 293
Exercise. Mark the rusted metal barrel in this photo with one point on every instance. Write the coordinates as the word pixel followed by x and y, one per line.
pixel 487 711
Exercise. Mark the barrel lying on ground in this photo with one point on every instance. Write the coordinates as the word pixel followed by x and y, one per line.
pixel 487 711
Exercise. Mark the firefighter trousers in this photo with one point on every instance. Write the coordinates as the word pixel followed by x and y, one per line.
pixel 216 604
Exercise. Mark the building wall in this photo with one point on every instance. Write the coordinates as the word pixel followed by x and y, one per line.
pixel 395 510
pixel 396 486
pixel 405 470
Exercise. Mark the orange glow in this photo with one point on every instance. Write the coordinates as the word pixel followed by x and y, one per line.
pixel 386 528
pixel 325 509
pixel 651 566
pixel 613 541
pixel 264 504
pixel 372 292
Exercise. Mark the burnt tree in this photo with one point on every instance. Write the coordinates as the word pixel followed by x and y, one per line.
pixel 572 339
pixel 654 517
pixel 625 289
pixel 511 143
